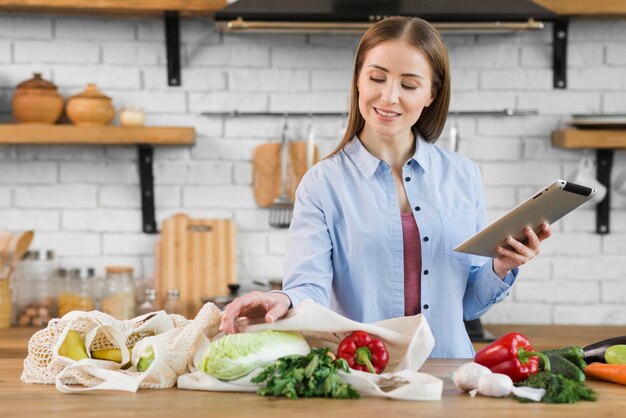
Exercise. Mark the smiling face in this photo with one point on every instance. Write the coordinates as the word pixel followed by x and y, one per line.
pixel 394 86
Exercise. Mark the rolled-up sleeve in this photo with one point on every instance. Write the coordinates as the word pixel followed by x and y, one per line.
pixel 308 270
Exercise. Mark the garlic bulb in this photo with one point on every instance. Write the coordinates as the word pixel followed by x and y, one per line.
pixel 467 375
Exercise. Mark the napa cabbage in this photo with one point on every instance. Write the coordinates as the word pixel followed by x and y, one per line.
pixel 235 355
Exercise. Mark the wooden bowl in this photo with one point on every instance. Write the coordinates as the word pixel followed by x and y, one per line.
pixel 37 101
pixel 90 108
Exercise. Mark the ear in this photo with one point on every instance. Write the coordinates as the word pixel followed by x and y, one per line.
pixel 432 98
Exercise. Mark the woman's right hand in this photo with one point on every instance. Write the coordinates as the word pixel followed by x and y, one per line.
pixel 255 304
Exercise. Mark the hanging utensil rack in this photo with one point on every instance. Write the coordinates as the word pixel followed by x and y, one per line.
pixel 503 112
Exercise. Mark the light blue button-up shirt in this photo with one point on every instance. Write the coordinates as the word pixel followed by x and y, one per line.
pixel 345 241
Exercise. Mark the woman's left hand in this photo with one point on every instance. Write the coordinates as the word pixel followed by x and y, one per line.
pixel 519 253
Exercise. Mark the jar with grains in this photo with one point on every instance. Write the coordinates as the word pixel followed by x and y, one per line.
pixel 75 290
pixel 34 289
pixel 5 303
pixel 118 299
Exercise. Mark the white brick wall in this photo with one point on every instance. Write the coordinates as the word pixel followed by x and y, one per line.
pixel 84 201
pixel 5 196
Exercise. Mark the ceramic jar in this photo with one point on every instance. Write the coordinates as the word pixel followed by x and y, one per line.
pixel 131 116
pixel 90 107
pixel 37 101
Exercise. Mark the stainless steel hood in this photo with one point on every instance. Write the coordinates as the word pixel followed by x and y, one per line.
pixel 349 16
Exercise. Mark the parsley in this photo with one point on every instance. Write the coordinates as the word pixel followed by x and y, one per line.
pixel 310 376
pixel 559 389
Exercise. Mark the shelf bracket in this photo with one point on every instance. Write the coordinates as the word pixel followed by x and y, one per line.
pixel 603 171
pixel 559 53
pixel 172 47
pixel 146 182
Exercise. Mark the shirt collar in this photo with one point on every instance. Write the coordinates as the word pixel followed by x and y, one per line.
pixel 368 164
pixel 422 152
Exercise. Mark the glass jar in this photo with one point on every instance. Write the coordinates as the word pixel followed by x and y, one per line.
pixel 172 304
pixel 149 303
pixel 118 299
pixel 5 303
pixel 34 289
pixel 76 290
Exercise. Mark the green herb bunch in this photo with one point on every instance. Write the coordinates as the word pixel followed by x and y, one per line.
pixel 559 389
pixel 310 376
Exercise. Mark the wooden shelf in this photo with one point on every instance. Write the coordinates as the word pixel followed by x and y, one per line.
pixel 142 137
pixel 586 8
pixel 95 135
pixel 589 138
pixel 123 7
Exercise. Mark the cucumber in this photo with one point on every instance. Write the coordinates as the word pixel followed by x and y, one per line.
pixel 573 353
pixel 563 366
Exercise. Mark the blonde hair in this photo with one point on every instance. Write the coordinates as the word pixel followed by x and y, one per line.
pixel 423 36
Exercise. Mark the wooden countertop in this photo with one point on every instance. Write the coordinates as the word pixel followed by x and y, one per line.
pixel 22 400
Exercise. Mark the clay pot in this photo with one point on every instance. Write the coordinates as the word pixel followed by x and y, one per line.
pixel 90 108
pixel 37 101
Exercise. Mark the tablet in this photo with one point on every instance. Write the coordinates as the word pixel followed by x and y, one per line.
pixel 548 204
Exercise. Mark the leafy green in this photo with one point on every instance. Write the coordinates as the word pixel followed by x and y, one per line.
pixel 234 356
pixel 310 376
pixel 559 389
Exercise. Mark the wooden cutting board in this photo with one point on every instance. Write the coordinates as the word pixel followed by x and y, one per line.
pixel 196 256
pixel 267 174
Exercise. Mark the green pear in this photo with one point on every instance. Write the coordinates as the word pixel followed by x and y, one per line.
pixel 73 346
pixel 145 359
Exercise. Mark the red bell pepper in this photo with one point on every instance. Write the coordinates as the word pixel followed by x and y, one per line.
pixel 513 356
pixel 362 352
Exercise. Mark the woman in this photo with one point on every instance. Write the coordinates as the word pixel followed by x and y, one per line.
pixel 375 223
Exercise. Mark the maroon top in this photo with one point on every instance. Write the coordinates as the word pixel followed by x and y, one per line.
pixel 412 265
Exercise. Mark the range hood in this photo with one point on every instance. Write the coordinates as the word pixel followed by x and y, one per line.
pixel 354 16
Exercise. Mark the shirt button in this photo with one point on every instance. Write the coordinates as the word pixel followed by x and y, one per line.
pixel 407 178
pixel 426 239
pixel 425 272
pixel 417 208
pixel 425 306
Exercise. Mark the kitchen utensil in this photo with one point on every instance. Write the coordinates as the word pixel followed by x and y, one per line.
pixel 16 248
pixel 282 209
pixel 198 257
pixel 37 101
pixel 23 242
pixel 266 182
pixel 455 137
pixel 91 107
pixel 310 146
pixel 6 239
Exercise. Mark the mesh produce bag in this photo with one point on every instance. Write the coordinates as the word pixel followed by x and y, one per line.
pixel 172 338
